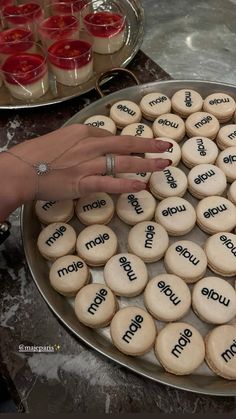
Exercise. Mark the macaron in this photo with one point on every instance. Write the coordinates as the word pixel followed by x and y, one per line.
pixel 138 129
pixel 101 121
pixel 125 112
pixel 226 161
pixel 221 253
pixel 186 259
pixel 154 104
pixel 54 211
pixel 221 105
pixel 56 240
pixel 170 182
pixel 221 351
pixel 126 275
pixel 95 208
pixel 169 125
pixel 133 208
pixel 176 215
pixel 68 274
pixel 148 240
pixel 214 300
pixel 95 305
pixel 199 150
pixel 167 297
pixel 202 124
pixel 180 348
pixel 226 136
pixel 96 244
pixel 173 153
pixel 206 180
pixel 232 192
pixel 215 214
pixel 133 331
pixel 143 176
pixel 186 101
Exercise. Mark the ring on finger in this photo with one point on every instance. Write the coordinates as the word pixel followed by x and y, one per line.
pixel 110 165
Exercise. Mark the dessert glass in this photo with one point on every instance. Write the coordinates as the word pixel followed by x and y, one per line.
pixel 104 22
pixel 15 40
pixel 4 3
pixel 58 26
pixel 71 61
pixel 26 74
pixel 73 7
pixel 27 15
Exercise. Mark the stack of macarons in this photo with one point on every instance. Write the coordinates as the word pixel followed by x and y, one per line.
pixel 155 256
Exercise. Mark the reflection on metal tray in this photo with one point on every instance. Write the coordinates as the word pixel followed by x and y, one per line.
pixel 59 93
pixel 203 380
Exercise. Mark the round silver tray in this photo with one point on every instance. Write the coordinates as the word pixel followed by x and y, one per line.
pixel 203 380
pixel 58 93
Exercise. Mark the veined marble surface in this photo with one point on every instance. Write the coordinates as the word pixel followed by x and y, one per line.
pixel 192 39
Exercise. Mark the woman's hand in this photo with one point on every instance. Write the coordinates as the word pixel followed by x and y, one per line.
pixel 77 155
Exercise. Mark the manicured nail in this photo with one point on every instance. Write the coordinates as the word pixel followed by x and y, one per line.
pixel 163 145
pixel 139 186
pixel 162 164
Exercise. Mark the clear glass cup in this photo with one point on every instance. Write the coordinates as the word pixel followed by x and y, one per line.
pixel 15 40
pixel 42 3
pixel 4 3
pixel 73 7
pixel 71 61
pixel 26 74
pixel 104 22
pixel 57 26
pixel 26 15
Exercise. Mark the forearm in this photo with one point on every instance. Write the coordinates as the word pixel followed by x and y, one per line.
pixel 14 185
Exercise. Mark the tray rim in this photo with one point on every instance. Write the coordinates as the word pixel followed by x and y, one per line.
pixel 125 361
pixel 149 84
pixel 140 35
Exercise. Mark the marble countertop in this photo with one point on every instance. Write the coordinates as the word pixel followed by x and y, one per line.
pixel 76 378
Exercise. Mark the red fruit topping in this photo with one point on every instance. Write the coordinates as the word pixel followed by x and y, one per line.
pixel 104 24
pixel 24 68
pixel 4 3
pixel 68 6
pixel 15 40
pixel 70 54
pixel 23 13
pixel 59 27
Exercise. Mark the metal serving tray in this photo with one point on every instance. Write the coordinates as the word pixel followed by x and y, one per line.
pixel 134 13
pixel 203 380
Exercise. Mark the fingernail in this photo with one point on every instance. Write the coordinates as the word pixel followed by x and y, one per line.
pixel 139 186
pixel 164 163
pixel 163 145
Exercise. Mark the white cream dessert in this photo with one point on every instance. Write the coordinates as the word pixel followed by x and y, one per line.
pixel 26 75
pixel 71 61
pixel 107 31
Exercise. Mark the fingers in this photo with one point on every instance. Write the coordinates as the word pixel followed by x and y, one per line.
pixel 125 144
pixel 84 131
pixel 108 184
pixel 125 164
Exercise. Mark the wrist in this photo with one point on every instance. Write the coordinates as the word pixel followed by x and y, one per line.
pixel 15 189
